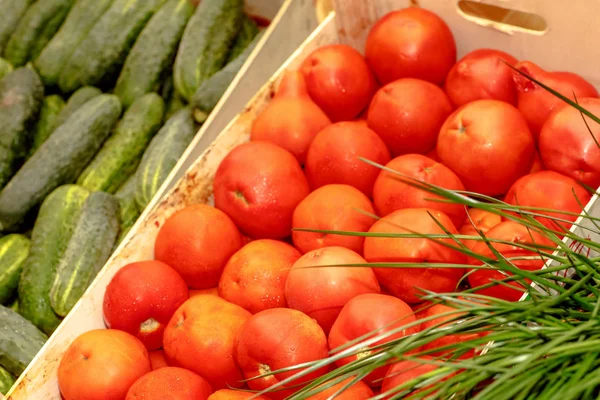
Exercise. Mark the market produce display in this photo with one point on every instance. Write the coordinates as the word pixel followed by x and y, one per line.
pixel 92 125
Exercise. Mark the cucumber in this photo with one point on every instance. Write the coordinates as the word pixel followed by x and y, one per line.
pixel 51 108
pixel 77 99
pixel 162 154
pixel 50 29
pixel 21 95
pixel 244 37
pixel 153 51
pixel 120 155
pixel 127 206
pixel 21 43
pixel 173 101
pixel 13 252
pixel 5 68
pixel 6 381
pixel 20 341
pixel 102 52
pixel 53 228
pixel 60 159
pixel 208 94
pixel 79 21
pixel 15 305
pixel 88 249
pixel 205 44
pixel 12 12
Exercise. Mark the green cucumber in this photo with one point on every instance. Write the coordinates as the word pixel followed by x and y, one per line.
pixel 12 12
pixel 208 94
pixel 88 249
pixel 120 155
pixel 102 52
pixel 173 101
pixel 15 305
pixel 206 42
pixel 21 95
pixel 21 43
pixel 6 381
pixel 244 37
pixel 5 68
pixel 79 21
pixel 53 228
pixel 20 341
pixel 60 159
pixel 128 206
pixel 14 249
pixel 162 154
pixel 153 51
pixel 46 35
pixel 77 99
pixel 51 108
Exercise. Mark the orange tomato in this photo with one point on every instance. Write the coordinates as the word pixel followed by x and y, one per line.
pixel 478 220
pixel 228 394
pixel 403 372
pixel 170 383
pixel 358 391
pixel 157 359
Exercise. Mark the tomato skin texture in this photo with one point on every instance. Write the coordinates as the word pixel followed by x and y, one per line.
pixel 228 394
pixel 391 194
pixel 403 372
pixel 410 43
pixel 407 114
pixel 358 391
pixel 566 145
pixel 339 81
pixel 172 383
pixel 488 145
pixel 101 365
pixel 478 220
pixel 157 359
pixel 482 74
pixel 146 291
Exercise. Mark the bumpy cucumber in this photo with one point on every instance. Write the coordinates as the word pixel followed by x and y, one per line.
pixel 13 252
pixel 173 100
pixel 5 68
pixel 128 206
pixel 244 37
pixel 12 12
pixel 50 29
pixel 6 381
pixel 77 99
pixel 51 108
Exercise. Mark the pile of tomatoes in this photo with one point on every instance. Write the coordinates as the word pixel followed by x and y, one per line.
pixel 231 296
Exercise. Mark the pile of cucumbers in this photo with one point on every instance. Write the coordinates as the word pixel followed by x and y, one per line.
pixel 98 101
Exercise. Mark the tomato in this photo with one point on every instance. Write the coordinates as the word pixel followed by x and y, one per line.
pixel 254 277
pixel 488 145
pixel 406 283
pixel 368 313
pixel 172 383
pixel 403 372
pixel 157 359
pixel 394 192
pixel 333 157
pixel 511 232
pixel 482 74
pixel 339 81
pixel 275 339
pixel 358 391
pixel 407 114
pixel 478 220
pixel 101 365
pixel 227 394
pixel 259 184
pixel 410 43
pixel 213 291
pixel 200 337
pixel 197 242
pixel 538 165
pixel 322 292
pixel 292 119
pixel 141 298
pixel 567 146
pixel 334 208
pixel 536 103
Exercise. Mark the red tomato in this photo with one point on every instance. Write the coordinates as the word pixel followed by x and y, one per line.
pixel 101 365
pixel 403 372
pixel 411 43
pixel 567 146
pixel 390 193
pixel 536 103
pixel 339 81
pixel 538 165
pixel 488 145
pixel 407 114
pixel 482 74
pixel 157 359
pixel 365 314
pixel 228 394
pixel 170 383
pixel 405 283
pixel 479 220
pixel 141 298
pixel 358 391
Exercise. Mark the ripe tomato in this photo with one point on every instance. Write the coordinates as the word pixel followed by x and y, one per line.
pixel 292 119
pixel 411 43
pixel 213 291
pixel 172 383
pixel 536 103
pixel 197 242
pixel 567 146
pixel 358 391
pixel 364 314
pixel 405 283
pixel 488 145
pixel 101 365
pixel 482 74
pixel 479 220
pixel 391 193
pixel 259 184
pixel 407 114
pixel 228 394
pixel 533 191
pixel 157 359
pixel 339 81
pixel 538 165
pixel 141 298
pixel 322 292
pixel 275 339
pixel 333 157
pixel 200 337
pixel 336 208
pixel 403 372
pixel 254 277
